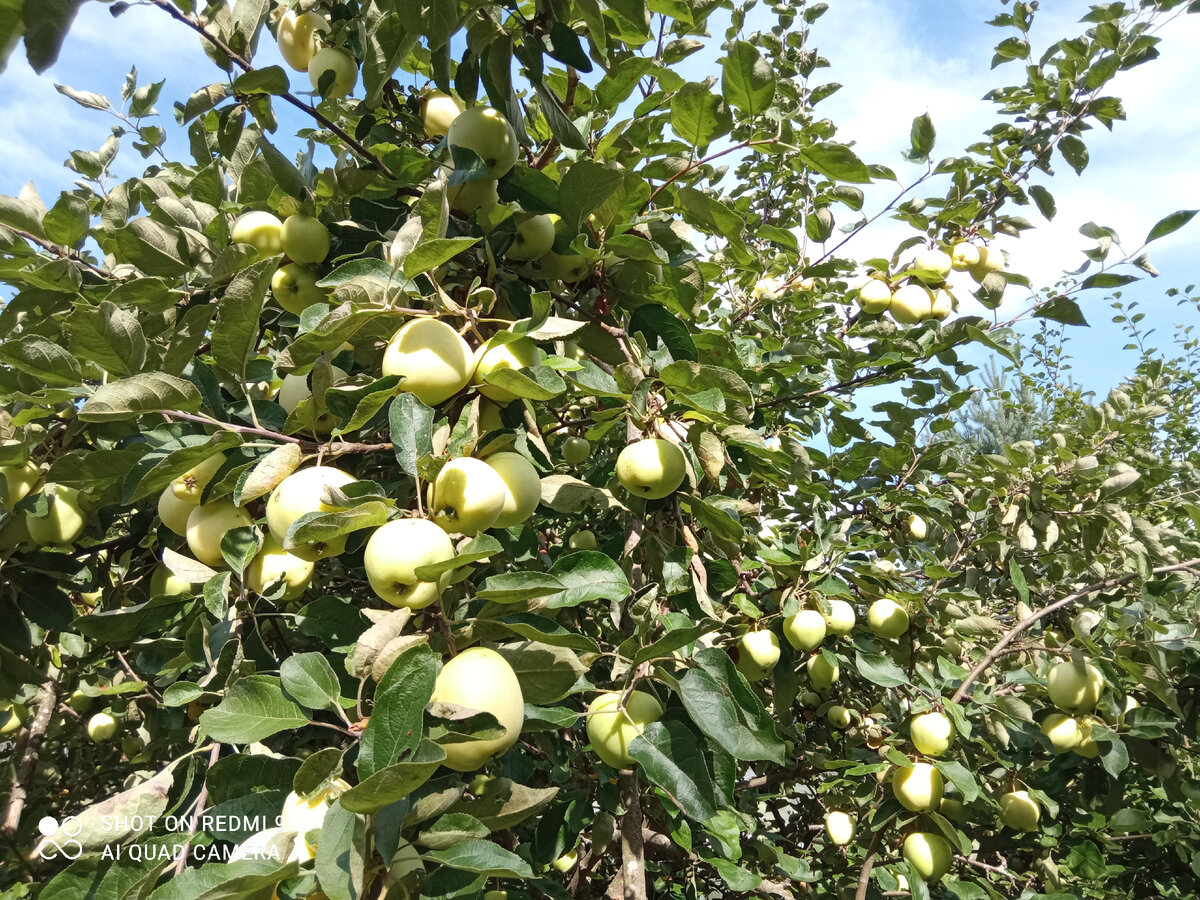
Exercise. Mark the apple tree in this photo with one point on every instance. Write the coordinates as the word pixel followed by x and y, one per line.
pixel 516 482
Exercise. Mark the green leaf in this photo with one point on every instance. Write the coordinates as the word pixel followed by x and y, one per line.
pixel 545 631
pixel 253 709
pixel 451 829
pixel 482 858
pixel 573 579
pixel 323 527
pixel 584 188
pixel 400 700
pixel 146 393
pixel 539 383
pixel 428 255
pixel 710 699
pixel 879 669
pixel 959 776
pixel 479 547
pixel 42 359
pixel 411 425
pixel 340 862
pixel 310 680
pixel 699 116
pixel 545 672
pixel 109 336
pixel 396 781
pixel 837 162
pixel 122 625
pixel 671 755
pixel 1075 152
pixel 921 137
pixel 1171 223
pixel 46 25
pixel 271 80
pixel 657 322
pixel 1107 280
pixel 235 334
pixel 1061 309
pixel 747 79
pixel 68 220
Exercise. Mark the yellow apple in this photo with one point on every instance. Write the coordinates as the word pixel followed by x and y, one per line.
pixel 1086 747
pixel 651 468
pixel 492 357
pixel 932 733
pixel 1063 731
pixel 567 861
pixel 18 482
pixel 301 493
pixel 295 288
pixel 305 814
pixel 758 653
pixel 341 64
pixel 191 484
pixel 495 895
pixel 839 716
pixel 467 496
pixel 1019 811
pixel 534 238
pixel 917 529
pixel 433 359
pixel 261 230
pixel 943 305
pixel 963 256
pixel 469 196
pixel 486 132
pixel 839 828
pixel 438 112
pixel 296 35
pixel 841 618
pixel 991 259
pixel 933 266
pixel 875 296
pixel 295 389
pixel 14 533
pixel 481 679
pixel 393 554
pixel 208 524
pixel 805 630
pixel 65 521
pixel 173 511
pixel 929 854
pixel 584 539
pixel 611 730
pixel 911 303
pixel 522 488
pixel 887 618
pixel 305 240
pixel 165 583
pixel 575 450
pixel 273 564
pixel 79 701
pixel 1075 687
pixel 101 727
pixel 822 675
pixel 565 267
pixel 953 808
pixel 918 788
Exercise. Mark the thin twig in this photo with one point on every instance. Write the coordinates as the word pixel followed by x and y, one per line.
pixel 28 754
pixel 201 802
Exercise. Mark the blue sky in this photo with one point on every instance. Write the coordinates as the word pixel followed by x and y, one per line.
pixel 895 58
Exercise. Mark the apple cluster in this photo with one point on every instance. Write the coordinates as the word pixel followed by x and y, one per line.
pixel 921 291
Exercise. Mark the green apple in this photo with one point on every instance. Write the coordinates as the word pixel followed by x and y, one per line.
pixel 14 533
pixel 294 389
pixel 567 861
pixel 467 496
pixel 486 132
pixel 301 493
pixel 534 238
pixel 191 484
pixel 295 288
pixel 1087 747
pixel 273 564
pixel 917 529
pixel 208 524
pixel 522 488
pixel 758 654
pixel 651 468
pixel 64 523
pixel 575 450
pixel 811 699
pixel 839 828
pixel 432 358
pixel 12 716
pixel 953 808
pixel 261 230
pixel 911 303
pixel 481 679
pixel 173 511
pixel 582 540
pixel 493 356
pixel 822 675
pixel 932 733
pixel 840 618
pixel 438 112
pixel 1075 686
pixel 296 35
pixel 165 583
pixel 943 305
pixel 101 727
pixel 919 787
pixel 1063 732
pixel 932 266
pixel 341 64
pixel 1019 811
pixel 495 895
pixel 887 618
pixel 805 630
pixel 393 554
pixel 79 701
pixel 18 482
pixel 963 256
pixel 839 716
pixel 991 259
pixel 611 730
pixel 305 240
pixel 566 267
pixel 875 296
pixel 478 784
pixel 929 854
pixel 481 194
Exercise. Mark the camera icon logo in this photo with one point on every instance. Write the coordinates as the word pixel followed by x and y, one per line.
pixel 70 849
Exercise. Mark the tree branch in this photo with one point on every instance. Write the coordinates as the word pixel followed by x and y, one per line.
pixel 201 802
pixel 633 851
pixel 60 251
pixel 864 874
pixel 28 754
pixel 333 448
pixel 997 651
